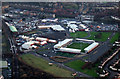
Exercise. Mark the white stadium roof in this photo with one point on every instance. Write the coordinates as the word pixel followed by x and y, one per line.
pixel 61 43
pixel 70 50
pixel 92 46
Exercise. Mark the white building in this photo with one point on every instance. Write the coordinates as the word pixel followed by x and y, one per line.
pixel 43 42
pixel 87 29
pixel 73 27
pixel 44 27
pixel 45 39
pixel 54 27
pixel 53 41
pixel 3 64
pixel 29 45
pixel 63 43
pixel 49 20
pixel 71 22
pixel 41 39
pixel 91 47
pixel 83 26
pixel 57 28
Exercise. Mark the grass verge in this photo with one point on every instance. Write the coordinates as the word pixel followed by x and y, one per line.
pixel 114 38
pixel 77 65
pixel 42 64
pixel 104 36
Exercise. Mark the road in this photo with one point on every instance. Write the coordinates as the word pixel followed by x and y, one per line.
pixel 112 73
pixel 15 64
pixel 100 50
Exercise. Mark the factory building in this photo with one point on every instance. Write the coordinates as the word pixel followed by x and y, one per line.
pixel 49 20
pixel 12 28
pixel 45 39
pixel 41 39
pixel 29 45
pixel 44 27
pixel 83 26
pixel 53 27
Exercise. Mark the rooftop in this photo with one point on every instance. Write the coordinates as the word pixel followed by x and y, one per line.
pixel 13 29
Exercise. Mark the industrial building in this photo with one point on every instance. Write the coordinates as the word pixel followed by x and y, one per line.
pixel 45 39
pixel 73 27
pixel 12 28
pixel 53 27
pixel 3 64
pixel 44 27
pixel 83 26
pixel 29 45
pixel 41 39
pixel 49 20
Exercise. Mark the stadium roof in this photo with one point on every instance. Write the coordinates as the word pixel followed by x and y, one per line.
pixel 91 46
pixel 61 43
pixel 13 29
pixel 70 50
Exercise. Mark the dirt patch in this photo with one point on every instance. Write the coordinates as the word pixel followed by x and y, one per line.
pixel 60 58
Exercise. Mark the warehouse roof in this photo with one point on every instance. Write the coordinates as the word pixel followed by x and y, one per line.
pixel 27 45
pixel 3 64
pixel 57 27
pixel 54 27
pixel 83 26
pixel 73 26
pixel 46 26
pixel 13 29
pixel 52 20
